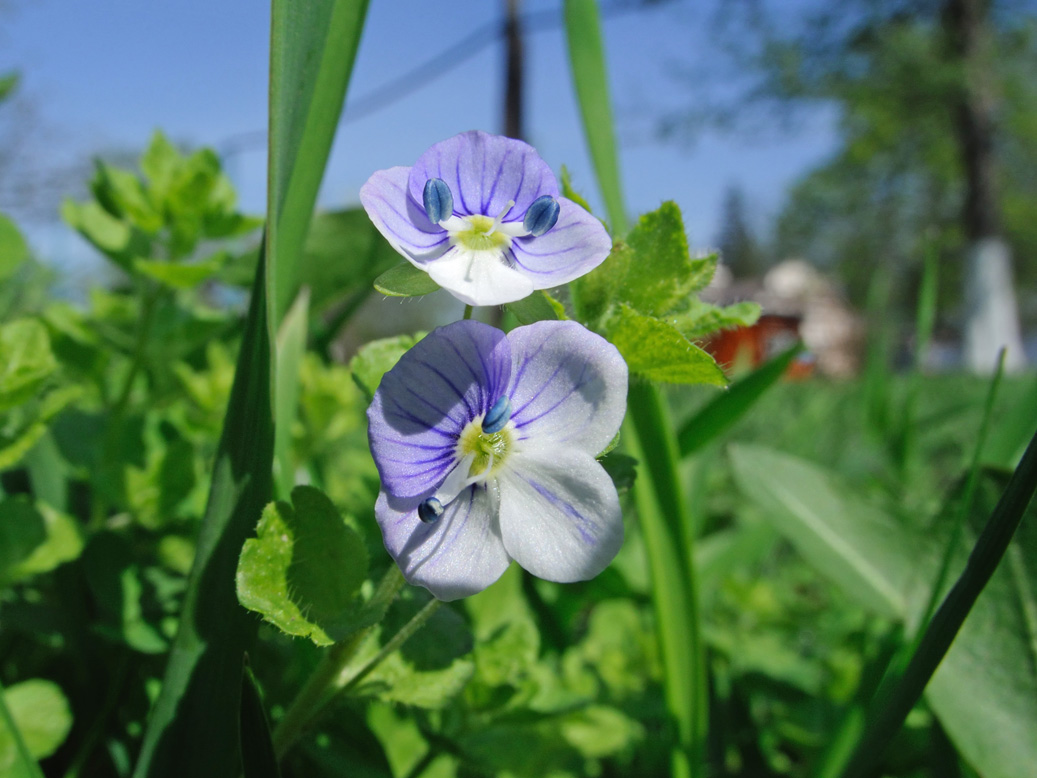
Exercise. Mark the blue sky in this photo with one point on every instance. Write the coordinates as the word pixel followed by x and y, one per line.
pixel 198 71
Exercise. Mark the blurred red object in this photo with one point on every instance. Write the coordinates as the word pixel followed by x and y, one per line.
pixel 746 348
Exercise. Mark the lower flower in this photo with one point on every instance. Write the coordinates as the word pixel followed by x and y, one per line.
pixel 486 444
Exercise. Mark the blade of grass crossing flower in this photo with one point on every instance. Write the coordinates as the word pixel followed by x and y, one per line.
pixel 193 728
pixel 20 764
pixel 313 47
pixel 720 414
pixel 291 345
pixel 898 697
pixel 587 57
pixel 668 536
pixel 257 749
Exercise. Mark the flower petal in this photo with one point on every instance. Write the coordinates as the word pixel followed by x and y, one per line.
pixel 484 172
pixel 401 219
pixel 559 514
pixel 568 387
pixel 459 555
pixel 421 406
pixel 577 244
pixel 479 278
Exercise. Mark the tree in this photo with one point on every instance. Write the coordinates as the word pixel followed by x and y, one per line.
pixel 739 248
pixel 929 118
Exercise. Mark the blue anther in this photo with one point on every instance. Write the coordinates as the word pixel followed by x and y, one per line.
pixel 438 202
pixel 541 216
pixel 497 416
pixel 430 510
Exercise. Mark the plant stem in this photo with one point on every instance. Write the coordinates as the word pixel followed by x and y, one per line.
pixel 326 681
pixel 467 312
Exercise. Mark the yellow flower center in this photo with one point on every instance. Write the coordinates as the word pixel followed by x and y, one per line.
pixel 490 449
pixel 482 236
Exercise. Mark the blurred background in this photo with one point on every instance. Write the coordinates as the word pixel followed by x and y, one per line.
pixel 825 150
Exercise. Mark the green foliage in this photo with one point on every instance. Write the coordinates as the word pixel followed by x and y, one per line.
pixel 643 298
pixel 539 306
pixel 34 539
pixel 303 571
pixel 13 248
pixel 377 358
pixel 405 280
pixel 42 717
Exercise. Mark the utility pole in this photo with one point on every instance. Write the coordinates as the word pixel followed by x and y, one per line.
pixel 992 317
pixel 513 79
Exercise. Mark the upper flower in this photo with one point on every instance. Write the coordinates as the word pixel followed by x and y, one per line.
pixel 481 214
pixel 486 444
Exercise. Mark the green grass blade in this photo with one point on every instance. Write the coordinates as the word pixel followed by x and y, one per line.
pixel 291 346
pixel 587 57
pixel 720 414
pixel 257 748
pixel 193 728
pixel 666 526
pixel 897 699
pixel 313 47
pixel 20 764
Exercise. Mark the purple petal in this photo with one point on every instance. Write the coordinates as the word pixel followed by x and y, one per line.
pixel 559 514
pixel 401 219
pixel 484 172
pixel 568 387
pixel 577 244
pixel 459 555
pixel 448 378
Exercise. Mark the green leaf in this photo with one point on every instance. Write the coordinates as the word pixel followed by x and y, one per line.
pixel 853 544
pixel 405 280
pixel 159 164
pixel 257 748
pixel 570 193
pixel 13 248
pixel 396 680
pixel 721 413
pixel 587 57
pixel 303 571
pixel 622 469
pixel 15 759
pixel 41 713
pixel 26 361
pixel 122 195
pixel 377 358
pixel 658 352
pixel 539 306
pixel 112 237
pixel 702 319
pixel 34 539
pixel 181 275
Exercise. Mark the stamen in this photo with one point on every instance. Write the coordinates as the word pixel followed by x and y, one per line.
pixel 500 217
pixel 497 416
pixel 430 510
pixel 438 202
pixel 541 216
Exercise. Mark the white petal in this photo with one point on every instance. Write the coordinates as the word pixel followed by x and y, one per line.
pixel 459 555
pixel 559 514
pixel 577 244
pixel 402 221
pixel 568 387
pixel 479 278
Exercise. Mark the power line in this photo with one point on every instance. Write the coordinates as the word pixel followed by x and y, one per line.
pixel 436 66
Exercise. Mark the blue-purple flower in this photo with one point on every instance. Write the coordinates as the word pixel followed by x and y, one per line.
pixel 482 215
pixel 486 444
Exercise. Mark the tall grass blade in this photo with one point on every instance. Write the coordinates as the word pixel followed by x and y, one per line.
pixel 291 346
pixel 667 530
pixel 721 413
pixel 257 748
pixel 193 729
pixel 898 697
pixel 590 78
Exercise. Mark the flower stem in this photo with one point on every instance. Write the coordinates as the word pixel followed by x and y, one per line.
pixel 326 681
pixel 467 312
